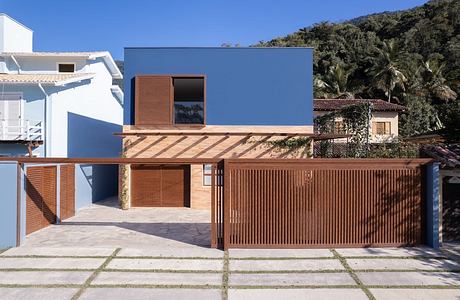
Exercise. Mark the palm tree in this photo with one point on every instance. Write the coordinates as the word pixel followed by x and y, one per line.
pixel 436 83
pixel 386 72
pixel 335 84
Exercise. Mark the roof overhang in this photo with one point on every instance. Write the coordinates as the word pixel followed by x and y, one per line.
pixel 116 90
pixel 43 79
pixel 105 55
pixel 313 136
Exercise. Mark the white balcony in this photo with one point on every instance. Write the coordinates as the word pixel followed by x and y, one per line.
pixel 21 130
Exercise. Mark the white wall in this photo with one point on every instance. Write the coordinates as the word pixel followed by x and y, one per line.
pixel 49 65
pixel 386 116
pixel 377 116
pixel 91 106
pixel 14 37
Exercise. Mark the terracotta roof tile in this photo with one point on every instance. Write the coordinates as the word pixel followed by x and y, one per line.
pixel 336 104
pixel 54 79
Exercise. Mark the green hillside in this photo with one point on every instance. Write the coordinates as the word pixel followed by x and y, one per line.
pixel 409 57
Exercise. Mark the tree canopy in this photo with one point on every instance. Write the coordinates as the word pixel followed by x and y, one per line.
pixel 409 57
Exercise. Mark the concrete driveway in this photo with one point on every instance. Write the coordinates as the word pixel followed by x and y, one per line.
pixel 107 253
pixel 203 273
pixel 103 224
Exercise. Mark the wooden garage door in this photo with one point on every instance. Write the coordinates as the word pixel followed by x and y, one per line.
pixel 160 186
pixel 67 192
pixel 40 197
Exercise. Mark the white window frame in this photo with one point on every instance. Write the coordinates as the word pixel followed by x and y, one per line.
pixel 206 175
pixel 66 63
pixel 21 101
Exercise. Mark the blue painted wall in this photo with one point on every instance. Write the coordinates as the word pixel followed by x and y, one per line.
pixel 90 137
pixel 93 138
pixel 244 86
pixel 94 183
pixel 8 202
pixel 432 205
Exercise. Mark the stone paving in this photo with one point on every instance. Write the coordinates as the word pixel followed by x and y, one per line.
pixel 202 273
pixel 110 226
pixel 156 253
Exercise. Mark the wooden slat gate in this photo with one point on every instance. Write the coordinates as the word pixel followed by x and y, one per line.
pixel 67 191
pixel 319 203
pixel 40 197
pixel 217 205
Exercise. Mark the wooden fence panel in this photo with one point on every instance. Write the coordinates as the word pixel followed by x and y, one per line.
pixel 347 203
pixel 217 205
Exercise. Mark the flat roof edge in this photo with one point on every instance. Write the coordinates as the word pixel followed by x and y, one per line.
pixel 216 47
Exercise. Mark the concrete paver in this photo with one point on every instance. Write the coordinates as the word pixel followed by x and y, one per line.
pixel 284 264
pixel 409 278
pixel 296 294
pixel 291 279
pixel 167 264
pixel 150 294
pixel 37 293
pixel 416 251
pixel 103 224
pixel 416 294
pixel 50 263
pixel 271 253
pixel 58 251
pixel 147 234
pixel 403 264
pixel 173 252
pixel 155 278
pixel 43 277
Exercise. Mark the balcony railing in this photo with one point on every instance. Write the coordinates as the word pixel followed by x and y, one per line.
pixel 21 130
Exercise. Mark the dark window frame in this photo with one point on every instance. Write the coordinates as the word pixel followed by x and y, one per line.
pixel 66 65
pixel 173 101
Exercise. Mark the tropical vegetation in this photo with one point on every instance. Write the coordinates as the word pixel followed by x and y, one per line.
pixel 408 57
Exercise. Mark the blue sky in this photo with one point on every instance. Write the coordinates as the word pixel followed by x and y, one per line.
pixel 79 25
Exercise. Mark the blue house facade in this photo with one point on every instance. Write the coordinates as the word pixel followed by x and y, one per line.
pixel 209 103
pixel 244 86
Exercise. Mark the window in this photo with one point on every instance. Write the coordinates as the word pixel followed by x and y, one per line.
pixel 381 128
pixel 66 68
pixel 338 127
pixel 207 175
pixel 188 100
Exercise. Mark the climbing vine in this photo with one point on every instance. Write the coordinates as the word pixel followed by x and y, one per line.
pixel 355 122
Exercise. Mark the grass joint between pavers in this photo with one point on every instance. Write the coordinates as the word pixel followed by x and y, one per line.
pixel 160 271
pixel 225 276
pixel 95 273
pixel 353 275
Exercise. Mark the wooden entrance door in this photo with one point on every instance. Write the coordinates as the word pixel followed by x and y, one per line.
pixel 160 186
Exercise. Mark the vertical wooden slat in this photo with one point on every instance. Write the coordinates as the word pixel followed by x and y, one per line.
pixel 276 205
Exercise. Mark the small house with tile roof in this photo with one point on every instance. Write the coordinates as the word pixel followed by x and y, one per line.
pixel 384 119
pixel 50 102
pixel 59 104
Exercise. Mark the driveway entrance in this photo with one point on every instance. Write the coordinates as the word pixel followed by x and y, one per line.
pixel 103 224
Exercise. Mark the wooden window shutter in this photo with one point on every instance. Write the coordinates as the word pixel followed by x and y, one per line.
pixel 387 128
pixel 153 100
pixel 374 127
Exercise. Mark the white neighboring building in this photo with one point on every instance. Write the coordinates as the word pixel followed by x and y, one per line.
pixel 14 36
pixel 56 104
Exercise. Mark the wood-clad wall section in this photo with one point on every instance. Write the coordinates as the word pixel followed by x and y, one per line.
pixel 153 100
